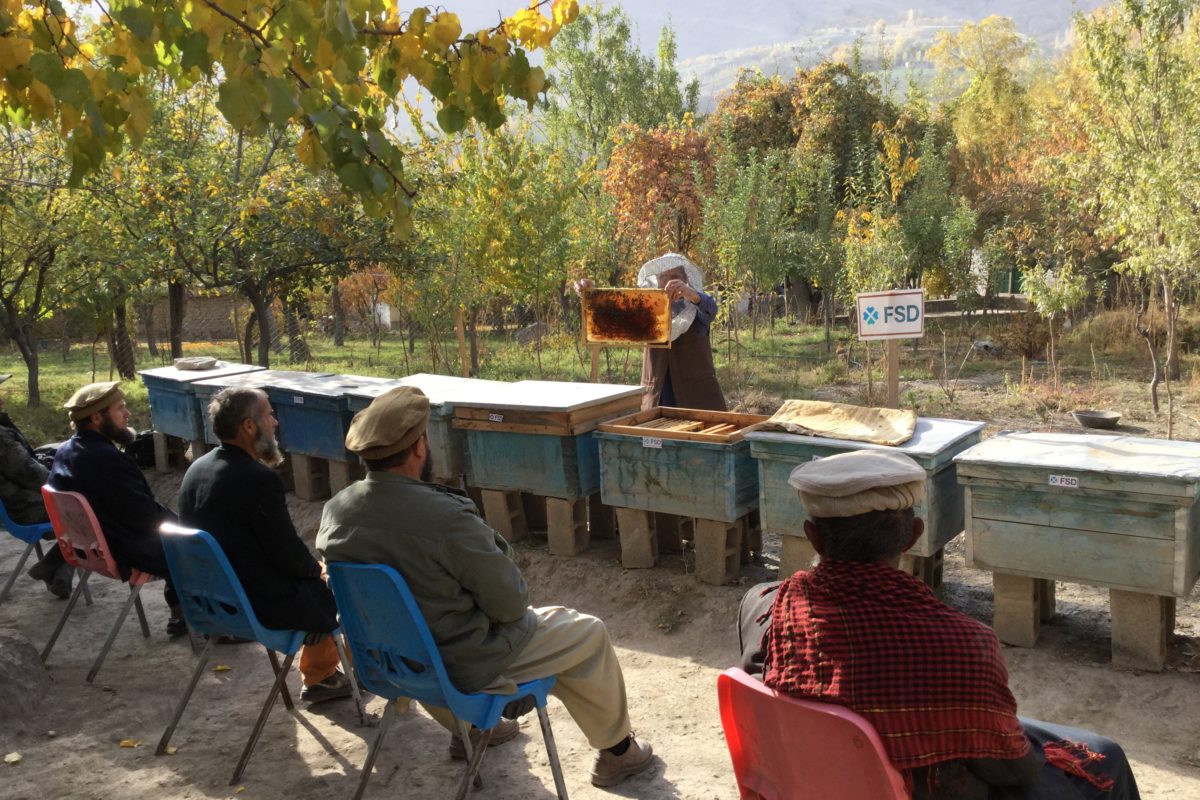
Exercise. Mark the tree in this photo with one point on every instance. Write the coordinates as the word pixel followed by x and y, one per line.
pixel 1142 57
pixel 757 112
pixel 990 118
pixel 745 216
pixel 333 68
pixel 655 177
pixel 601 81
pixel 499 220
pixel 37 221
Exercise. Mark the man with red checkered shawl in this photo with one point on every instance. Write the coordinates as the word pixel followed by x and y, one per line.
pixel 857 631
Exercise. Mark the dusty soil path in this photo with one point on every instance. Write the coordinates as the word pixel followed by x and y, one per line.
pixel 673 636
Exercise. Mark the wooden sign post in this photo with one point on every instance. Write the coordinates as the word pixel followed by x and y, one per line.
pixel 891 316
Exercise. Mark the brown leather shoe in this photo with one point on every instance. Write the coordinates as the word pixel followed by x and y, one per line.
pixel 609 770
pixel 504 732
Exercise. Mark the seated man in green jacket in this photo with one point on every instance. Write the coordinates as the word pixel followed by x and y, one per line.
pixel 472 594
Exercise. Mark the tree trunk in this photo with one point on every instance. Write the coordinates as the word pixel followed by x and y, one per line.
pixel 473 338
pixel 122 346
pixel 262 313
pixel 176 302
pixel 339 316
pixel 1155 378
pixel 1171 365
pixel 245 343
pixel 23 337
pixel 145 312
pixel 801 295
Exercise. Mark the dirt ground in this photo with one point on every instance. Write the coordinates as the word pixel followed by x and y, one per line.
pixel 673 636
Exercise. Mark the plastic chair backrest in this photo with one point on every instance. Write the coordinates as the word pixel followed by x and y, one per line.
pixel 210 594
pixel 786 747
pixel 394 652
pixel 26 533
pixel 78 532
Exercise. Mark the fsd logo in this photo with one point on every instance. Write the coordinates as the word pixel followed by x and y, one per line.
pixel 910 313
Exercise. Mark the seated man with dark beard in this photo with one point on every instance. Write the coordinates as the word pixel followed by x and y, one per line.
pixel 91 464
pixel 233 493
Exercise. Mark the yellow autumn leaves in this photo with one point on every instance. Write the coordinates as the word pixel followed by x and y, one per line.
pixel 332 67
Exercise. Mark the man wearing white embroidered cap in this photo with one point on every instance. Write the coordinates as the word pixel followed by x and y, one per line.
pixel 858 632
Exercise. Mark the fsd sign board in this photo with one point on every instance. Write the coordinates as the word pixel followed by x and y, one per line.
pixel 899 314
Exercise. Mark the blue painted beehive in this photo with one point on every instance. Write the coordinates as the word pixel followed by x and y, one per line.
pixel 646 465
pixel 536 436
pixel 933 445
pixel 174 408
pixel 264 380
pixel 447 445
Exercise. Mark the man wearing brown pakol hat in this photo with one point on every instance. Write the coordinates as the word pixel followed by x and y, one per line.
pixel 470 591
pixel 857 631
pixel 91 464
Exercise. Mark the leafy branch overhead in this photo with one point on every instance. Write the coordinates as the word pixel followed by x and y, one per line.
pixel 336 68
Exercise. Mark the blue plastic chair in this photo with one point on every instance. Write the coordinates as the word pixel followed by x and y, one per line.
pixel 395 656
pixel 214 603
pixel 31 535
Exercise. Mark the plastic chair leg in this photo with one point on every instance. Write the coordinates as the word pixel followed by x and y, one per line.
pixel 389 713
pixel 560 785
pixel 280 677
pixel 134 591
pixel 62 619
pixel 287 696
pixel 187 696
pixel 475 760
pixel 358 701
pixel 13 578
pixel 87 596
pixel 141 614
pixel 38 546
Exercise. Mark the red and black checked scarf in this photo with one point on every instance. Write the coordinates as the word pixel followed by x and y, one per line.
pixel 869 637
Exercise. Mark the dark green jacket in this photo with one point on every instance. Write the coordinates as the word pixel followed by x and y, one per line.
pixel 460 570
pixel 21 476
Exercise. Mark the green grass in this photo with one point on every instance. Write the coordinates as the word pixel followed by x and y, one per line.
pixel 789 360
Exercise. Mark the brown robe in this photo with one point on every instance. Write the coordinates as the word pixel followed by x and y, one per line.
pixel 689 362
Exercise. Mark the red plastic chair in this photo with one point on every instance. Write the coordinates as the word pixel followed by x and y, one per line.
pixel 83 544
pixel 785 748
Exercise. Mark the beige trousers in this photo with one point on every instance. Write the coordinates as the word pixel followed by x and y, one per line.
pixel 576 648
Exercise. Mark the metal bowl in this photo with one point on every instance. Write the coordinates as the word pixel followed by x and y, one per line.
pixel 1097 419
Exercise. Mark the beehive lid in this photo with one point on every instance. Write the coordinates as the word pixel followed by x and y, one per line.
pixel 550 396
pixel 1115 455
pixel 266 379
pixel 933 435
pixel 222 368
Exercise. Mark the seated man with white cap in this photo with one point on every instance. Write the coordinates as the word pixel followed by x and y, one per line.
pixel 470 591
pixel 91 464
pixel 857 631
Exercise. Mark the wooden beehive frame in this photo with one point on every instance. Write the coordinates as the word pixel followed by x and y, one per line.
pixel 664 422
pixel 591 295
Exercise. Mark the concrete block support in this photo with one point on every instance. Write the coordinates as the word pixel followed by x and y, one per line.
pixel 567 525
pixel 1016 609
pixel 1142 625
pixel 505 512
pixel 639 543
pixel 718 550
